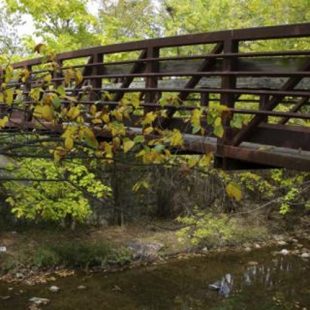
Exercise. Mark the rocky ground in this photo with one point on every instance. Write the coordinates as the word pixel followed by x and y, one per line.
pixel 146 244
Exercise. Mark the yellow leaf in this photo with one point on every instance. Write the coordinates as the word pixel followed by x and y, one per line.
pixel 139 185
pixel 148 130
pixel 3 121
pixel 93 109
pixel 106 117
pixel 47 78
pixel 108 150
pixel 59 153
pixel 47 113
pixel 25 75
pixel 68 76
pixel 149 118
pixel 196 116
pixel 128 145
pixel 8 73
pixel 118 115
pixel 135 101
pixel 73 113
pixel 69 143
pixel 176 138
pixel 78 77
pixel 35 93
pixel 193 161
pixel 206 160
pixel 88 135
pixel 8 95
pixel 233 191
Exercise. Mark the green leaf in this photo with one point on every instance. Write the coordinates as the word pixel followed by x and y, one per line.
pixel 56 102
pixel 218 131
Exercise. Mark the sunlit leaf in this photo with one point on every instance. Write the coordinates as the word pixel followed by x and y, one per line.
pixel 128 145
pixel 78 77
pixel 73 113
pixel 3 121
pixel 8 96
pixel 47 112
pixel 176 138
pixel 69 142
pixel 233 191
pixel 149 118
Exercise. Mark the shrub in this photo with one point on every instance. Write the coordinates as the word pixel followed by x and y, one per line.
pixel 203 228
pixel 80 255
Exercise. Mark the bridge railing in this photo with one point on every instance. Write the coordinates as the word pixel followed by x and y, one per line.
pixel 232 68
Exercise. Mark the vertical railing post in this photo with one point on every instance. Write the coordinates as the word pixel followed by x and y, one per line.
pixel 57 74
pixel 151 82
pixel 204 99
pixel 27 89
pixel 227 99
pixel 263 100
pixel 96 83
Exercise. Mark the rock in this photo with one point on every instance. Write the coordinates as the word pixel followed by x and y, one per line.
pixel 282 242
pixel 252 263
pixel 145 251
pixel 82 287
pixel 299 245
pixel 116 288
pixel 39 301
pixel 5 297
pixel 305 255
pixel 295 252
pixel 205 250
pixel 19 275
pixel 248 249
pixel 294 240
pixel 54 289
pixel 257 246
pixel 3 249
pixel 278 237
pixel 10 288
pixel 284 252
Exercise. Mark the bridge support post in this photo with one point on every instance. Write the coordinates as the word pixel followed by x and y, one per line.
pixel 227 99
pixel 96 83
pixel 151 82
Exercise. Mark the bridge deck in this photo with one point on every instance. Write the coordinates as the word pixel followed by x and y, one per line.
pixel 235 68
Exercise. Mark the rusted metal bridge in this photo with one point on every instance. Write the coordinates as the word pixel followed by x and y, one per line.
pixel 256 72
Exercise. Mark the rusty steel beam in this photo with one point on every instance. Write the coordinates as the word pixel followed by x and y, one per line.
pixel 137 67
pixel 273 102
pixel 296 107
pixel 267 158
pixel 206 65
pixel 271 32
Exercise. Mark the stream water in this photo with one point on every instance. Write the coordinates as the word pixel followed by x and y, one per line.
pixel 257 280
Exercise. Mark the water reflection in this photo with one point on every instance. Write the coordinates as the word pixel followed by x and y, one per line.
pixel 242 281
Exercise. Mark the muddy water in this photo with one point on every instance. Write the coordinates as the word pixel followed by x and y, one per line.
pixel 257 280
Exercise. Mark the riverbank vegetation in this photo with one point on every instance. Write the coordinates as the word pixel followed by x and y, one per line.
pixel 57 211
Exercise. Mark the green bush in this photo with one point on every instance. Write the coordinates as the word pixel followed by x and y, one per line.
pixel 80 255
pixel 46 257
pixel 207 229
